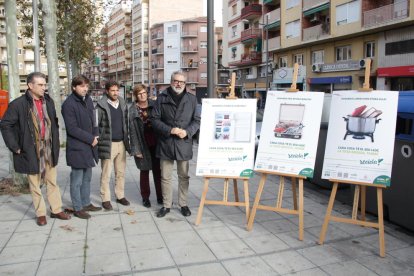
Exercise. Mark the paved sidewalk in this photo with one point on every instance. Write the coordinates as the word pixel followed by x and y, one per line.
pixel 133 241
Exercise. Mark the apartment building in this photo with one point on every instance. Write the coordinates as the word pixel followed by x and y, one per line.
pixel 179 45
pixel 329 39
pixel 118 32
pixel 147 13
pixel 25 55
pixel 222 77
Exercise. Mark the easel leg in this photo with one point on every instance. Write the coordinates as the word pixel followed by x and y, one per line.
pixel 295 200
pixel 256 202
pixel 363 198
pixel 301 209
pixel 328 213
pixel 203 199
pixel 356 201
pixel 236 191
pixel 280 193
pixel 247 199
pixel 381 223
pixel 226 190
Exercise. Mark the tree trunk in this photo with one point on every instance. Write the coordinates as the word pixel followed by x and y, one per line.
pixel 13 72
pixel 75 67
pixel 68 67
pixel 49 29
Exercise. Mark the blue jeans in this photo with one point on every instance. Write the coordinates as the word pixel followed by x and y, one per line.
pixel 80 187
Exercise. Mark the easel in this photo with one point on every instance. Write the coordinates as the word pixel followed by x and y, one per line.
pixel 360 189
pixel 278 207
pixel 207 178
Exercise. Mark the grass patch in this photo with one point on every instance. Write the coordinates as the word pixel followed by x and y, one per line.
pixel 7 187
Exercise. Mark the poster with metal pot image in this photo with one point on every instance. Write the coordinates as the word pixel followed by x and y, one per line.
pixel 360 140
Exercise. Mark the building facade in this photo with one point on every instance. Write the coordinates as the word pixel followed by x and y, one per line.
pixel 329 39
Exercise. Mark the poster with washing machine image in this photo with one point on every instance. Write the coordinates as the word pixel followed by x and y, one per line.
pixel 290 132
pixel 361 135
pixel 227 138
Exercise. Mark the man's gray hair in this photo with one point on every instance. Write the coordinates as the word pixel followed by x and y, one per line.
pixel 177 73
pixel 33 75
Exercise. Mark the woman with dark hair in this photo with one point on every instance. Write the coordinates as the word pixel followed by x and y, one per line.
pixel 143 144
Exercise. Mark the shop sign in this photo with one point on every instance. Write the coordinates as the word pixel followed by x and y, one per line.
pixel 399 71
pixel 285 75
pixel 342 66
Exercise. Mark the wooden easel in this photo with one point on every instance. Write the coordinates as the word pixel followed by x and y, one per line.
pixel 278 207
pixel 207 178
pixel 360 189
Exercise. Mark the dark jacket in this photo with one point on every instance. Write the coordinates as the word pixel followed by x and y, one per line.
pixel 18 133
pixel 166 115
pixel 81 130
pixel 105 129
pixel 137 139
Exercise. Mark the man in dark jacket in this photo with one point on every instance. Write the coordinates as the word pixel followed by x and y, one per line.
pixel 30 130
pixel 113 143
pixel 81 145
pixel 175 119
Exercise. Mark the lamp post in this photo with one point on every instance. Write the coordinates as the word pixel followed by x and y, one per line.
pixel 267 53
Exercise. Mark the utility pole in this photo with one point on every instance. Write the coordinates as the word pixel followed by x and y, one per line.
pixel 210 48
pixel 267 53
pixel 36 36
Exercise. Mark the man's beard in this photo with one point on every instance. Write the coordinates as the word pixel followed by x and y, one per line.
pixel 177 90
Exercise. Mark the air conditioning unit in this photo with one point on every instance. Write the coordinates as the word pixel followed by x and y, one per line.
pixel 315 18
pixel 316 67
pixel 363 63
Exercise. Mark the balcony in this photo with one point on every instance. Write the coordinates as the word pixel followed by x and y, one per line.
pixel 128 22
pixel 273 17
pixel 127 55
pixel 386 15
pixel 274 43
pixel 188 65
pixel 160 80
pixel 189 33
pixel 157 66
pixel 270 2
pixel 157 51
pixel 316 32
pixel 251 11
pixel 250 34
pixel 157 35
pixel 310 4
pixel 104 57
pixel 248 59
pixel 189 49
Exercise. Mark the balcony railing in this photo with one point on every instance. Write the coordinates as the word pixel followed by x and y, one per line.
pixel 252 33
pixel 273 16
pixel 386 14
pixel 251 58
pixel 189 49
pixel 316 32
pixel 274 43
pixel 188 33
pixel 251 11
pixel 157 51
pixel 308 4
pixel 189 65
pixel 157 35
pixel 157 66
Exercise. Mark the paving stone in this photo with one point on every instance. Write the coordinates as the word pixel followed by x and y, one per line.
pixel 21 254
pixel 347 268
pixel 29 238
pixel 19 269
pixel 60 250
pixel 355 248
pixel 387 266
pixel 191 253
pixel 150 259
pixel 217 234
pixel 8 226
pixel 105 245
pixel 163 272
pixel 30 225
pixel 248 266
pixel 144 242
pixel 213 269
pixel 292 239
pixel 323 255
pixel 173 239
pixel 279 226
pixel 230 249
pixel 309 272
pixel 287 262
pixel 72 266
pixel 404 254
pixel 266 243
pixel 107 264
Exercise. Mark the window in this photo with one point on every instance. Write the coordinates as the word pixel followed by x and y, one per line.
pixel 234 31
pixel 234 9
pixel 203 44
pixel 172 29
pixel 298 59
pixel 343 53
pixel 19 51
pixel 318 57
pixel 399 47
pixel 293 29
pixel 370 49
pixel 233 52
pixel 291 3
pixel 348 13
pixel 203 75
pixel 203 60
pixel 282 62
pixel 203 29
pixel 20 65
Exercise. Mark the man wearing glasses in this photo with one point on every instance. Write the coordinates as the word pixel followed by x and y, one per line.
pixel 175 120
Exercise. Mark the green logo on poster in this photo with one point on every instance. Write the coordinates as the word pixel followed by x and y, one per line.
pixel 246 173
pixel 308 172
pixel 383 180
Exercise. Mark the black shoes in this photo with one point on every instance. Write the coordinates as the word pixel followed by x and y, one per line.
pixel 160 201
pixel 107 205
pixel 146 203
pixel 123 201
pixel 91 208
pixel 162 212
pixel 185 211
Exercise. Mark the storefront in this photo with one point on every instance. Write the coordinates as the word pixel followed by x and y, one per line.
pixel 282 78
pixel 399 78
pixel 329 84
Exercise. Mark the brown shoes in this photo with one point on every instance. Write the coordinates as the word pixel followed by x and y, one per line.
pixel 91 208
pixel 123 201
pixel 107 205
pixel 61 215
pixel 41 221
pixel 82 214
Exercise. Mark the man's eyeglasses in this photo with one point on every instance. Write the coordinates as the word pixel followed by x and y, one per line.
pixel 178 82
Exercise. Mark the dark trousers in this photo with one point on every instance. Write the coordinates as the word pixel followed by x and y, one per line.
pixel 156 173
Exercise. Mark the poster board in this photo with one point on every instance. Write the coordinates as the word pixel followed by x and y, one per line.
pixel 227 138
pixel 361 134
pixel 290 131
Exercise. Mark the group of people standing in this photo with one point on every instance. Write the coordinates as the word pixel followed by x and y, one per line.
pixel 156 132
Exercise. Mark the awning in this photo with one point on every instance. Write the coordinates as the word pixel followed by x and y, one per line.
pixel 342 79
pixel 316 9
pixel 272 25
pixel 399 71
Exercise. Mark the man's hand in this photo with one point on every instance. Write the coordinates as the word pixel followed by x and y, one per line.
pixel 182 134
pixel 139 155
pixel 95 142
pixel 18 151
pixel 175 130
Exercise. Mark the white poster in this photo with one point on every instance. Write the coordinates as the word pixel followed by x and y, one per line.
pixel 290 131
pixel 361 133
pixel 227 137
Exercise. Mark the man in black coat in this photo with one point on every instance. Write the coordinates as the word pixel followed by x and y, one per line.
pixel 30 130
pixel 175 120
pixel 81 145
